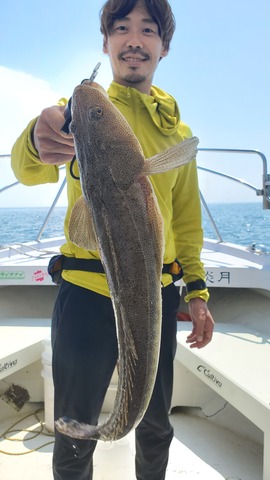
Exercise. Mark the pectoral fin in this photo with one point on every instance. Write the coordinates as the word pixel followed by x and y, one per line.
pixel 81 228
pixel 173 157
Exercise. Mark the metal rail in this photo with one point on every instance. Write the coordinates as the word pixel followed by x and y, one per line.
pixel 264 191
pixel 212 221
pixel 51 210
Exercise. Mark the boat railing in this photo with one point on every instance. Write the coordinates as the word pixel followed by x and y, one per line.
pixel 263 192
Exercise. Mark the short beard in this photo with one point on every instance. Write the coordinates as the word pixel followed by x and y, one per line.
pixel 134 78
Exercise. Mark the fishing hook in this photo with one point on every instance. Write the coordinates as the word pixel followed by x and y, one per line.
pixel 67 112
pixel 67 115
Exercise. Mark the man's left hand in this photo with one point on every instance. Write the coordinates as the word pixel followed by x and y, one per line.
pixel 203 323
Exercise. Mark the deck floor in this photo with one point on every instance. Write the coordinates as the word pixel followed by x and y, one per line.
pixel 200 450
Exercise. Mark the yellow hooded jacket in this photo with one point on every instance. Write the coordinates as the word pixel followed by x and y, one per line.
pixel 155 120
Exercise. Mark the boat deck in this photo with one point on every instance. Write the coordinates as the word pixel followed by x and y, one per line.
pixel 200 450
pixel 202 447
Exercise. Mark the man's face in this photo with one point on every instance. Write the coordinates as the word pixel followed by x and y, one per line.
pixel 135 48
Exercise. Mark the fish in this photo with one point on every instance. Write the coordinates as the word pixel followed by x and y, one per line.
pixel 118 215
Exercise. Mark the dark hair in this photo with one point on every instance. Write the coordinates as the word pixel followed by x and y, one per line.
pixel 160 11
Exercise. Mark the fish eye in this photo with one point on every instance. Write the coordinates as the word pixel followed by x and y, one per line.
pixel 96 112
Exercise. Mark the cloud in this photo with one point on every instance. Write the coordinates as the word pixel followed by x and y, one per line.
pixel 22 97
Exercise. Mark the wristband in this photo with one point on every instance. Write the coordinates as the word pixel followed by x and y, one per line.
pixel 197 285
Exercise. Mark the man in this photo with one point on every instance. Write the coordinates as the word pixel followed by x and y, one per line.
pixel 136 36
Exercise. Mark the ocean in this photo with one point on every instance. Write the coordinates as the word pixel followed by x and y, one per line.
pixel 242 223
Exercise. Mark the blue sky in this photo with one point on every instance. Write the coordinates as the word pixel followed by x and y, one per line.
pixel 218 70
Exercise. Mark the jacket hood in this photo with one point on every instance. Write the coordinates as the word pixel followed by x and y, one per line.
pixel 161 106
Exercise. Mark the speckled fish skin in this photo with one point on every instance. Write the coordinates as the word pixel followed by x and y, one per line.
pixel 129 234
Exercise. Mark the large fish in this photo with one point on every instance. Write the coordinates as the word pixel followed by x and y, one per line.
pixel 118 215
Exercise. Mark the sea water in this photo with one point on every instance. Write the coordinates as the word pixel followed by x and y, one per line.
pixel 241 223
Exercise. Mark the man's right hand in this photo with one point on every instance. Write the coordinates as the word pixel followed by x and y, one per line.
pixel 54 147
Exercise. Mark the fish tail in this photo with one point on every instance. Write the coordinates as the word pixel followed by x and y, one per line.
pixel 75 429
pixel 107 431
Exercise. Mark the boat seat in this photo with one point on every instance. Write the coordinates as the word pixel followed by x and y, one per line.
pixel 236 365
pixel 21 342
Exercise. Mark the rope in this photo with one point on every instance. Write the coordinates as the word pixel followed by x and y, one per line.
pixel 6 435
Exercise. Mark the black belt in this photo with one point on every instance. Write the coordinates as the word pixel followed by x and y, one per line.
pixel 84 264
pixel 58 263
pixel 174 269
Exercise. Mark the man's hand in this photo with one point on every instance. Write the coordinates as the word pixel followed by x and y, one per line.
pixel 53 146
pixel 203 323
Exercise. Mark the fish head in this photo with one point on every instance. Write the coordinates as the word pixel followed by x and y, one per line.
pixel 87 106
pixel 98 126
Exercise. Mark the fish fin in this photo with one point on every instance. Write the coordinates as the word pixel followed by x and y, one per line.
pixel 81 228
pixel 172 157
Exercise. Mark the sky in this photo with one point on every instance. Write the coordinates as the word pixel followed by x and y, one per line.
pixel 218 70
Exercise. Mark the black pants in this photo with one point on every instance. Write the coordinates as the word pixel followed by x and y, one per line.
pixel 84 356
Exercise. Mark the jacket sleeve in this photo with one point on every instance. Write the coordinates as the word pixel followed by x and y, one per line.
pixel 25 161
pixel 187 227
